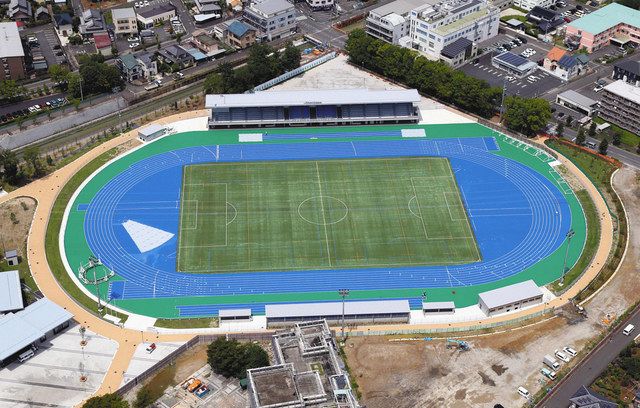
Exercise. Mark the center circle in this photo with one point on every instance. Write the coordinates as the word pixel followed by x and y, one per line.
pixel 323 210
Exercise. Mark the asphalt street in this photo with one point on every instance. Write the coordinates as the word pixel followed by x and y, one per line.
pixel 590 368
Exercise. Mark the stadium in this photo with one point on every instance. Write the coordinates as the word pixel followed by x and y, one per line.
pixel 259 212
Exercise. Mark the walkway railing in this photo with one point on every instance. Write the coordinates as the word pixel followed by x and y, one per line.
pixel 294 72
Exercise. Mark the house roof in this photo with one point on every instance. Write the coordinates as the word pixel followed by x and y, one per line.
pixel 624 90
pixel 156 10
pixel 128 61
pixel 577 98
pixel 270 7
pixel 12 253
pixel 10 291
pixel 555 54
pixel 507 295
pixel 567 62
pixel 629 66
pixel 41 10
pixel 607 17
pixel 62 19
pixel 10 43
pixel 456 47
pixel 122 13
pixel 585 398
pixel 102 40
pixel 145 58
pixel 582 58
pixel 401 7
pixel 239 29
pixel 542 13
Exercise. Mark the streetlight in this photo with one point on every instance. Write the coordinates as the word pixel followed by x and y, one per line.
pixel 344 293
pixel 569 235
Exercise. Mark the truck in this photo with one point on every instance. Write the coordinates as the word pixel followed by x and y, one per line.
pixel 551 362
pixel 548 373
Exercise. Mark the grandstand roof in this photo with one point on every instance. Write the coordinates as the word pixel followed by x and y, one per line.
pixel 335 308
pixel 312 97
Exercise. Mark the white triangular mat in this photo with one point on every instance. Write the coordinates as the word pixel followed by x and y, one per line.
pixel 145 237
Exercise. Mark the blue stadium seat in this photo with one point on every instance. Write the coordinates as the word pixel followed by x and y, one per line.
pixel 299 112
pixel 327 111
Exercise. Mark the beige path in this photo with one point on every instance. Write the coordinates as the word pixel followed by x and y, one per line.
pixel 46 190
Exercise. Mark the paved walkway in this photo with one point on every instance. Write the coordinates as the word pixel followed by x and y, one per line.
pixel 46 190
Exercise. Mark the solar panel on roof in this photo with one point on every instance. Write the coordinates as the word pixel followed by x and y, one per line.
pixel 512 59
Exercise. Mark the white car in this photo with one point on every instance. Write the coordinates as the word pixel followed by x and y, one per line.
pixel 134 45
pixel 598 88
pixel 562 356
pixel 136 5
pixel 570 351
pixel 133 39
pixel 524 392
pixel 146 3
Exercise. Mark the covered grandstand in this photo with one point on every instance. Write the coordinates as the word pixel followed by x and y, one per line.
pixel 313 107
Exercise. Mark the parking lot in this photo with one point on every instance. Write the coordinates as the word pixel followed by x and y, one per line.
pixel 52 376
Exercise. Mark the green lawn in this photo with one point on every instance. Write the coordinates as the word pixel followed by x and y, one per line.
pixel 321 215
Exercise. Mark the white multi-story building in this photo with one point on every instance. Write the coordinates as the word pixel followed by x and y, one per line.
pixel 124 21
pixel 529 4
pixel 434 26
pixel 320 4
pixel 272 18
pixel 392 21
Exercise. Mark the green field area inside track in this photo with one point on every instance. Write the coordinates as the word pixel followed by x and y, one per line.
pixel 322 214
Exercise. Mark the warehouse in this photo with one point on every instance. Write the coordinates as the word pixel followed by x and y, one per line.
pixel 10 292
pixel 514 64
pixel 509 298
pixel 577 102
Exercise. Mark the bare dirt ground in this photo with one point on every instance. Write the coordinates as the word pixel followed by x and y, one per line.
pixel 13 231
pixel 427 374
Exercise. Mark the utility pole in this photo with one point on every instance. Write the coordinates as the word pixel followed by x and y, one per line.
pixel 569 235
pixel 344 293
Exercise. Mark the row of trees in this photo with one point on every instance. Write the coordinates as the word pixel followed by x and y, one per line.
pixel 262 65
pixel 93 77
pixel 440 81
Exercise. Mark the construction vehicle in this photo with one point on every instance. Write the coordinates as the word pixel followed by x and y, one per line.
pixel 462 345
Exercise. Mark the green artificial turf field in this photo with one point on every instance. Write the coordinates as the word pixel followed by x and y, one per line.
pixel 357 213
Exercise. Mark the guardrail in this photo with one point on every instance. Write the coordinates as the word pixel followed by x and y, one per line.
pixel 294 72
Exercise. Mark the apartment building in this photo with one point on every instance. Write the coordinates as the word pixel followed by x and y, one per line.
pixel 392 21
pixel 11 52
pixel 627 70
pixel 434 26
pixel 272 19
pixel 612 24
pixel 124 21
pixel 620 104
pixel 530 4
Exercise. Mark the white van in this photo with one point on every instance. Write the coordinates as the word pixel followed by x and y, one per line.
pixel 26 355
pixel 627 330
pixel 524 392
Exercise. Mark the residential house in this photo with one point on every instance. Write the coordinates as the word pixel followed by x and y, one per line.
pixel 206 43
pixel 157 14
pixel 612 24
pixel 175 54
pixel 240 35
pixel 546 20
pixel 628 71
pixel 272 19
pixel 63 24
pixel 20 10
pixel 435 26
pixel 11 52
pixel 102 43
pixel 585 398
pixel 124 21
pixel 148 64
pixel 553 56
pixel 91 22
pixel 208 7
pixel 130 67
pixel 562 64
pixel 459 51
pixel 42 14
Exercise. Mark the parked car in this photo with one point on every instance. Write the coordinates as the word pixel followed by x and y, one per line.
pixel 134 45
pixel 598 88
pixel 524 392
pixel 133 39
pixel 570 351
pixel 151 347
pixel 562 356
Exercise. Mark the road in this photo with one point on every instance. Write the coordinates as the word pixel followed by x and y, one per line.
pixel 590 368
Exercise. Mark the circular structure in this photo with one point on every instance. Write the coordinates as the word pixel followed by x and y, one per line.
pixel 323 210
pixel 198 221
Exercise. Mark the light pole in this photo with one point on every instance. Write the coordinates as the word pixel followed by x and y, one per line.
pixel 569 235
pixel 344 293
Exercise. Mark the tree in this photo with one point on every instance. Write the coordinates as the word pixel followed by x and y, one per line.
pixel 560 129
pixel 527 116
pixel 9 89
pixel 263 63
pixel 580 138
pixel 9 163
pixel 569 120
pixel 106 401
pixel 592 129
pixel 59 73
pixel 616 137
pixel 232 359
pixel 32 156
pixel 290 58
pixel 603 147
pixel 143 398
pixel 75 24
pixel 214 84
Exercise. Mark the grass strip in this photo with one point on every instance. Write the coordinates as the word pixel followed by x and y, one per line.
pixel 194 323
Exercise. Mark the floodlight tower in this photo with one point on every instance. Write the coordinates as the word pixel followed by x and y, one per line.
pixel 343 293
pixel 569 235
